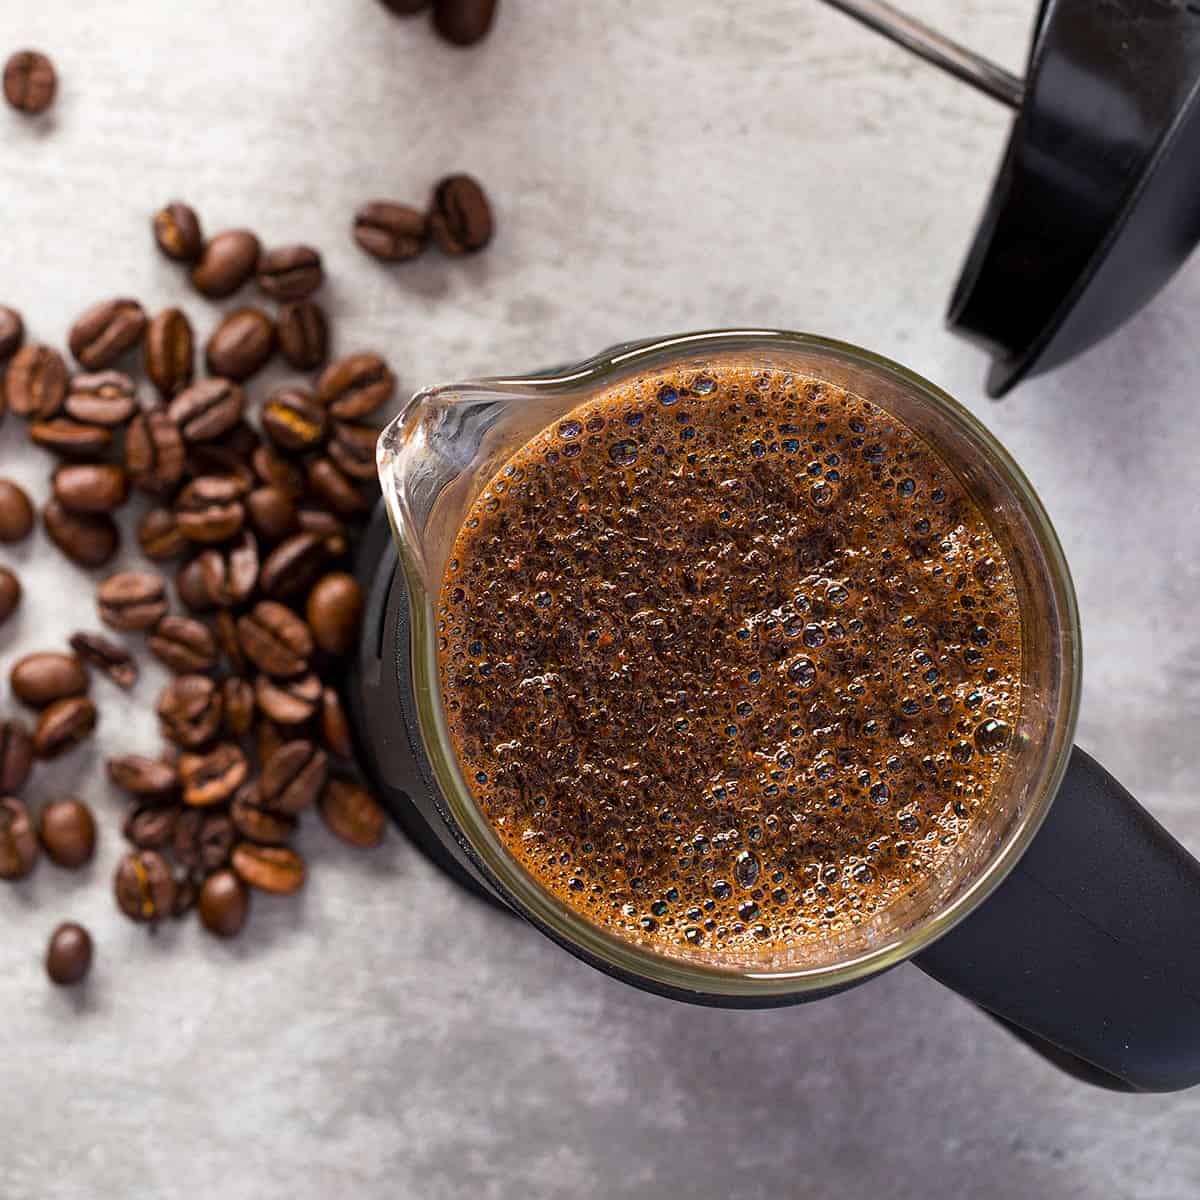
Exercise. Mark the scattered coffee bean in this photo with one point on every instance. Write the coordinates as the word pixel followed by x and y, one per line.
pixel 131 600
pixel 168 353
pixel 35 385
pixel 18 841
pixel 150 827
pixel 30 81
pixel 275 640
pixel 154 452
pixel 203 839
pixel 333 489
pixel 223 903
pixel 107 656
pixel 334 611
pixel 227 639
pixel 41 678
pixel 241 344
pixel 303 334
pixel 393 232
pixel 159 536
pixel 276 471
pixel 237 701
pixel 154 781
pixel 16 512
pixel 460 217
pixel 330 529
pixel 16 755
pixel 208 409
pixel 177 232
pixel 69 955
pixel 275 869
pixel 67 831
pixel 71 439
pixel 352 813
pixel 288 702
pixel 294 565
pixel 12 334
pixel 87 539
pixel 184 645
pixel 352 448
pixel 271 513
pixel 290 272
pixel 268 737
pixel 210 509
pixel 107 398
pixel 219 458
pixel 90 487
pixel 189 711
pixel 220 578
pixel 293 420
pixel 106 331
pixel 63 725
pixel 335 729
pixel 257 824
pixel 292 778
pixel 144 886
pixel 225 263
pixel 356 386
pixel 10 593
pixel 212 777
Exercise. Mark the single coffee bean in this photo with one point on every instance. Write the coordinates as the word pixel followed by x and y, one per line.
pixel 303 334
pixel 63 725
pixel 294 565
pixel 144 886
pixel 241 344
pixel 35 385
pixel 41 678
pixel 290 272
pixel 71 439
pixel 150 827
pixel 225 263
pixel 12 334
pixel 106 331
pixel 18 841
pixel 16 512
pixel 288 702
pixel 30 81
pixel 212 778
pixel 203 840
pixel 292 778
pixel 69 955
pixel 223 903
pixel 215 458
pixel 270 510
pixel 177 232
pixel 352 448
pixel 333 489
pixel 268 737
pixel 227 639
pixel 168 353
pixel 107 398
pixel 10 593
pixel 208 409
pixel 334 611
pixel 90 487
pixel 353 387
pixel 237 696
pixel 87 539
pixel 294 421
pixel 210 509
pixel 460 218
pixel 16 755
pixel 154 781
pixel 220 578
pixel 352 813
pixel 276 471
pixel 107 656
pixel 393 232
pixel 275 869
pixel 189 711
pixel 154 453
pixel 184 645
pixel 335 729
pixel 275 640
pixel 159 536
pixel 131 600
pixel 257 824
pixel 68 832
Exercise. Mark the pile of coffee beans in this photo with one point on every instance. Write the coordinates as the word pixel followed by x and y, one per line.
pixel 458 221
pixel 250 511
pixel 460 22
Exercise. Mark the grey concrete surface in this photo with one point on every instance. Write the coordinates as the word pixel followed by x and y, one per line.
pixel 656 165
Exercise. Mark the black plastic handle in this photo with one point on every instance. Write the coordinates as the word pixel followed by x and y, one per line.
pixel 1090 949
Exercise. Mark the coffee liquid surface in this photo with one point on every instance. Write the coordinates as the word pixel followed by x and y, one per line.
pixel 730 660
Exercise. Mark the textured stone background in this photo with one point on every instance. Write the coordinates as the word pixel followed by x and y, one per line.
pixel 657 165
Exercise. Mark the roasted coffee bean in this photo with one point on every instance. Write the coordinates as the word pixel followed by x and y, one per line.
pixel 186 892
pixel 106 331
pixel 214 777
pixel 159 536
pixel 108 656
pixel 18 841
pixel 355 386
pixel 220 578
pixel 154 453
pixel 225 263
pixel 210 509
pixel 292 778
pixel 460 218
pixel 131 600
pixel 333 489
pixel 67 831
pixel 16 512
pixel 303 334
pixel 107 398
pixel 268 737
pixel 276 471
pixel 275 640
pixel 288 702
pixel 10 593
pixel 330 529
pixel 189 711
pixel 271 512
pixel 184 645
pixel 290 272
pixel 41 678
pixel 168 354
pixel 335 729
pixel 237 696
pixel 150 827
pixel 257 824
pixel 334 611
pixel 393 232
pixel 88 539
pixel 208 409
pixel 241 344
pixel 35 385
pixel 63 725
pixel 16 755
pixel 352 813
pixel 294 565
pixel 154 781
pixel 71 439
pixel 90 487
pixel 12 334
pixel 463 22
pixel 69 955
pixel 144 886
pixel 216 458
pixel 203 840
pixel 223 903
pixel 352 448
pixel 269 868
pixel 177 232
pixel 227 639
pixel 30 81
pixel 293 420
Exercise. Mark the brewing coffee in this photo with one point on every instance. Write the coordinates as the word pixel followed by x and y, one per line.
pixel 730 659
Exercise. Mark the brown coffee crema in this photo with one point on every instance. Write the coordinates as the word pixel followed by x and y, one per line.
pixel 730 659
